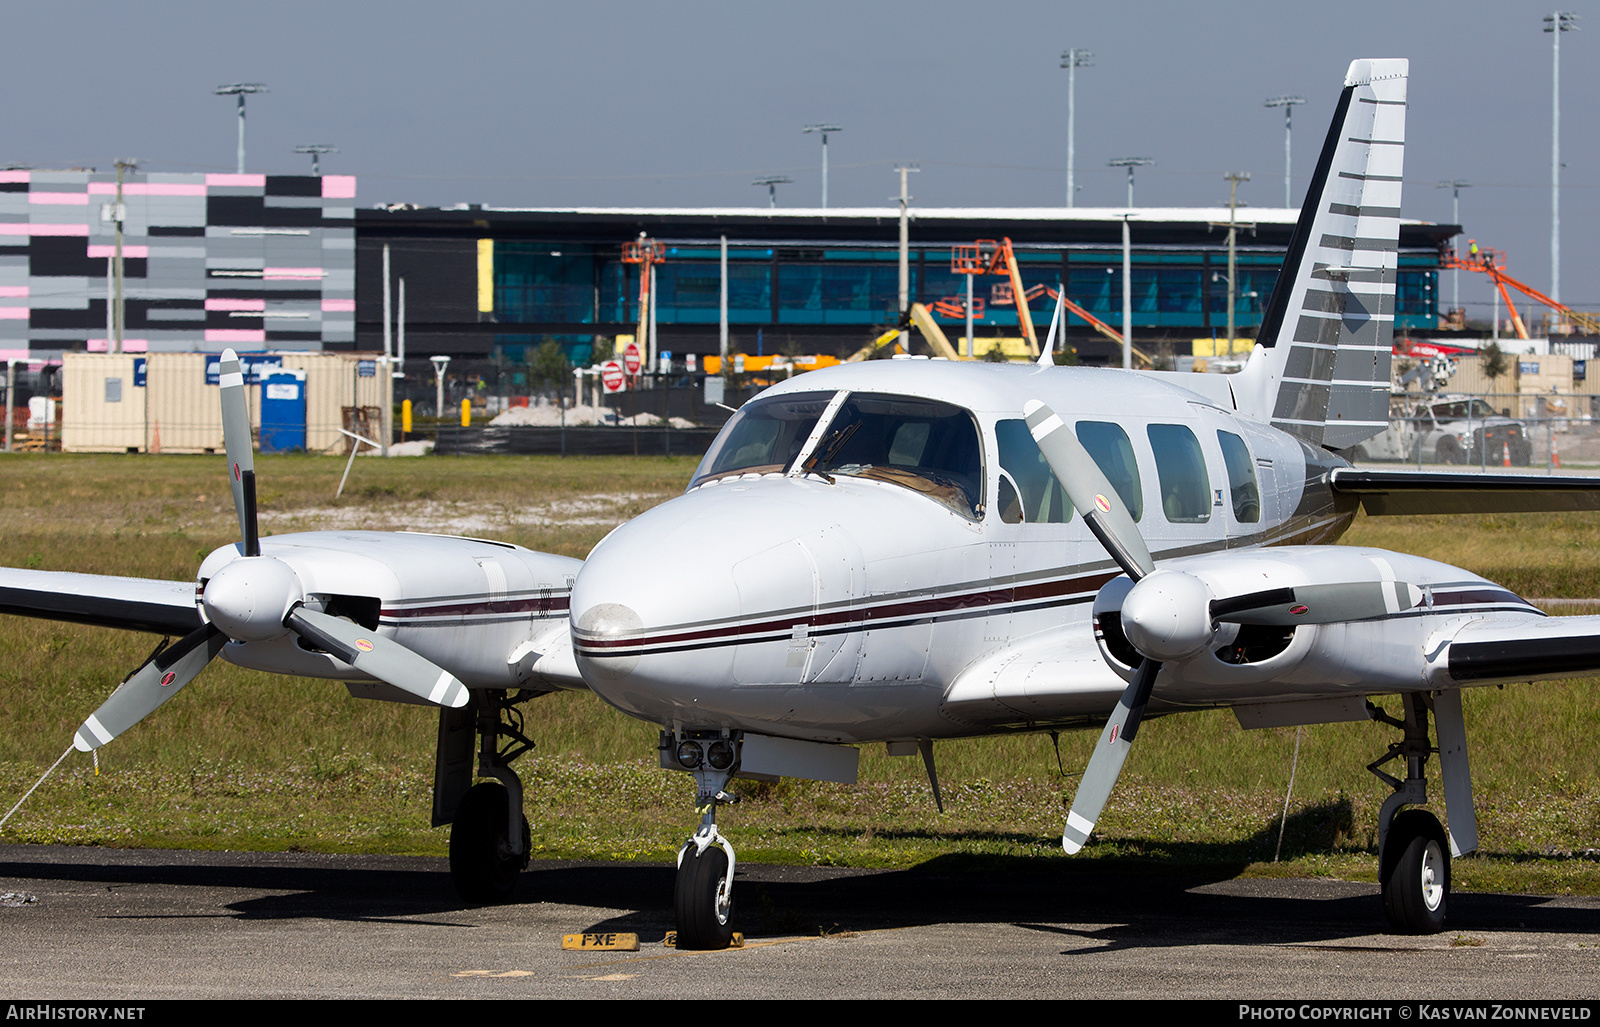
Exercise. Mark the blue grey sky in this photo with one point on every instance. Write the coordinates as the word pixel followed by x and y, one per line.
pixel 683 104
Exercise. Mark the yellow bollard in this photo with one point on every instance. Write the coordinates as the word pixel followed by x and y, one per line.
pixel 405 418
pixel 466 413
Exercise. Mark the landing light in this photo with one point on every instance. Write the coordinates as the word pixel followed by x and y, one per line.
pixel 720 754
pixel 689 755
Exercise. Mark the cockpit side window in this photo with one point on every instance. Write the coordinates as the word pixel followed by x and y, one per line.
pixel 763 437
pixel 1108 444
pixel 1029 492
pixel 924 445
pixel 1181 469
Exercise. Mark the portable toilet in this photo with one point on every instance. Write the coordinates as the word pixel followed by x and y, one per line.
pixel 283 412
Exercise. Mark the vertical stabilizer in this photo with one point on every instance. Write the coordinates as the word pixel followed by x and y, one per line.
pixel 1320 369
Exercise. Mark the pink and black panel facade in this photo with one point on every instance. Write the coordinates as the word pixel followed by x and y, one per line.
pixel 209 261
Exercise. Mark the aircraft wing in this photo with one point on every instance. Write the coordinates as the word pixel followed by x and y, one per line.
pixel 1056 677
pixel 1450 492
pixel 134 604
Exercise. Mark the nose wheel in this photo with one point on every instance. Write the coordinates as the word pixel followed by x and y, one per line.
pixel 703 894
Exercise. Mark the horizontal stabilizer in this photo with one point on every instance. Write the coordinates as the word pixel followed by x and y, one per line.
pixel 1390 493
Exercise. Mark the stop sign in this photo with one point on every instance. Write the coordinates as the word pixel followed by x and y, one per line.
pixel 631 359
pixel 611 376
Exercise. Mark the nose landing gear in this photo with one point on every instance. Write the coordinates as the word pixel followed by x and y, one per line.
pixel 703 892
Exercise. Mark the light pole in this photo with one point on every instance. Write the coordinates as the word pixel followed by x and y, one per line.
pixel 824 130
pixel 1130 163
pixel 772 182
pixel 1072 60
pixel 1455 185
pixel 1288 105
pixel 1234 178
pixel 241 90
pixel 316 150
pixel 439 364
pixel 1555 24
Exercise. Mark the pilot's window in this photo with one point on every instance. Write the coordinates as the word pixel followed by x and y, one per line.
pixel 924 445
pixel 764 436
pixel 1034 494
pixel 1108 444
pixel 1181 468
pixel 1241 478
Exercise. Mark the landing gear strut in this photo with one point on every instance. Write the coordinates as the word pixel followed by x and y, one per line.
pixel 703 893
pixel 486 853
pixel 1414 849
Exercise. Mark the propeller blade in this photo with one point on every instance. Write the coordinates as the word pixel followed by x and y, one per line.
pixel 1090 492
pixel 1105 766
pixel 241 456
pixel 379 657
pixel 148 687
pixel 1318 604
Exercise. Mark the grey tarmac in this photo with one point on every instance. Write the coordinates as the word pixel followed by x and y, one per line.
pixel 105 924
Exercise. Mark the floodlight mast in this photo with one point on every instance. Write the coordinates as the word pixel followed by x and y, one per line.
pixel 1072 60
pixel 1288 104
pixel 772 182
pixel 316 150
pixel 824 130
pixel 1455 185
pixel 1130 163
pixel 241 90
pixel 1555 24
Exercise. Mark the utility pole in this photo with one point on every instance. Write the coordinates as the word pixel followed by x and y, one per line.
pixel 1127 289
pixel 439 364
pixel 1130 163
pixel 119 318
pixel 722 305
pixel 1234 178
pixel 1455 185
pixel 824 129
pixel 1288 105
pixel 905 240
pixel 241 90
pixel 1072 60
pixel 316 150
pixel 1555 24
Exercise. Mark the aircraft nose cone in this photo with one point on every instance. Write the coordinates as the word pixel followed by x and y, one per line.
pixel 1167 615
pixel 249 598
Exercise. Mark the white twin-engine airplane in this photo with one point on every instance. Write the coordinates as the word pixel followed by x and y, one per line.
pixel 902 551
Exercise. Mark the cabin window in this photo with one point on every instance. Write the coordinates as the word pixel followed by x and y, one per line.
pixel 1108 444
pixel 1241 478
pixel 920 444
pixel 763 437
pixel 1181 469
pixel 1029 492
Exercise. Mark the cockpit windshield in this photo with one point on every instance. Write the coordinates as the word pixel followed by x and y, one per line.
pixel 920 444
pixel 924 445
pixel 763 437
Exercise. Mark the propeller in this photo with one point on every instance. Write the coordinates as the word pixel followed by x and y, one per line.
pixel 1169 614
pixel 256 598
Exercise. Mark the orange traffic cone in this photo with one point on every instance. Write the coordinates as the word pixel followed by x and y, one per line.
pixel 1505 451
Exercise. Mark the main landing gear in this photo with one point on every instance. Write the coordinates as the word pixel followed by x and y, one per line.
pixel 486 853
pixel 703 893
pixel 1414 849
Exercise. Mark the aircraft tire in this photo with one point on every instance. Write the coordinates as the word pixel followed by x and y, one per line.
pixel 479 867
pixel 703 906
pixel 1416 878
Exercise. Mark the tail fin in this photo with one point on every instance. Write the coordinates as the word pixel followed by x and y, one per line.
pixel 1320 369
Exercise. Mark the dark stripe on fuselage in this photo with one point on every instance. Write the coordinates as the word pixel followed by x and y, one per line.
pixel 548 604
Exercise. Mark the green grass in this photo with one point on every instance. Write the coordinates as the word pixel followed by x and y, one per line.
pixel 242 760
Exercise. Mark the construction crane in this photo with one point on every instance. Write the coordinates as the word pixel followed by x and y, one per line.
pixel 1493 263
pixel 918 315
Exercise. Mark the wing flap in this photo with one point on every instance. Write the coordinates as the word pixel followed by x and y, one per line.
pixel 132 604
pixel 1394 493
